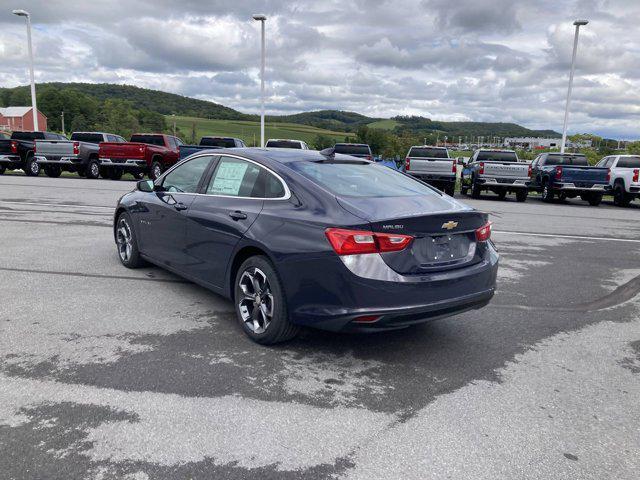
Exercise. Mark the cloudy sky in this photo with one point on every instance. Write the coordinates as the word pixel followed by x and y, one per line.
pixel 481 60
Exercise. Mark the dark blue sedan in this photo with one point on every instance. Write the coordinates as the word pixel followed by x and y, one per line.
pixel 297 237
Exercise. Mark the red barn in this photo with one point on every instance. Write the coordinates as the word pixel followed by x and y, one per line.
pixel 21 119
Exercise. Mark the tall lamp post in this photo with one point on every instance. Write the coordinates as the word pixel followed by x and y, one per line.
pixel 24 13
pixel 261 18
pixel 578 24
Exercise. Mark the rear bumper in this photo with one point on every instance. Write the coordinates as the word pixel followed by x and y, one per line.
pixel 124 163
pixel 433 178
pixel 66 160
pixel 572 187
pixel 332 296
pixel 504 182
pixel 9 159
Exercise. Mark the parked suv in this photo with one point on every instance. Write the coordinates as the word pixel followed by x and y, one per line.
pixel 568 175
pixel 360 150
pixel 18 152
pixel 79 154
pixel 286 143
pixel 624 177
pixel 433 166
pixel 498 171
pixel 150 153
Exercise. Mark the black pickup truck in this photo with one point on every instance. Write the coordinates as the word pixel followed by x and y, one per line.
pixel 18 152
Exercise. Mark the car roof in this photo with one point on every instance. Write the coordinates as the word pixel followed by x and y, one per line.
pixel 284 140
pixel 280 155
pixel 357 144
pixel 428 146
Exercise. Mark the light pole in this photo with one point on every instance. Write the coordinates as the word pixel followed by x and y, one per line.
pixel 261 18
pixel 578 24
pixel 24 13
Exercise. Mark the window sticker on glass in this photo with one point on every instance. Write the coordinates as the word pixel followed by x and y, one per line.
pixel 228 179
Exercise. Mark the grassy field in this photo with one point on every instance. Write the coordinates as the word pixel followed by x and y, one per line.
pixel 387 124
pixel 250 131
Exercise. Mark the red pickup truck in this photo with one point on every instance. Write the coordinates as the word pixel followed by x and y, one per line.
pixel 145 153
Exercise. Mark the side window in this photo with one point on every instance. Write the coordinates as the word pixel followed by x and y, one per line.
pixel 121 139
pixel 235 177
pixel 178 142
pixel 171 143
pixel 185 178
pixel 112 138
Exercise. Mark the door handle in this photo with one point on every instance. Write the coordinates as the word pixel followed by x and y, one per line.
pixel 180 206
pixel 238 215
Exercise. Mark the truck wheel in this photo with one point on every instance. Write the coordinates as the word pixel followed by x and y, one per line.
pixel 502 194
pixel 31 167
pixel 521 195
pixel 104 172
pixel 93 169
pixel 115 174
pixel 464 190
pixel 2 169
pixel 620 197
pixel 450 190
pixel 138 175
pixel 260 304
pixel 475 191
pixel 156 170
pixel 547 193
pixel 127 242
pixel 81 171
pixel 594 199
pixel 53 172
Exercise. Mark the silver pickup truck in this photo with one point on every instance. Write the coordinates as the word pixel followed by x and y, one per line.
pixel 433 166
pixel 498 171
pixel 79 154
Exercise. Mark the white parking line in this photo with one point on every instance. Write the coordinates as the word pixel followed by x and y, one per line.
pixel 575 237
pixel 69 205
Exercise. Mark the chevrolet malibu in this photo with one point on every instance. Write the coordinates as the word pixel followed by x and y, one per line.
pixel 305 238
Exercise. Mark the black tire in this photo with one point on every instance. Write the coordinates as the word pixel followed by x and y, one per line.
pixel 104 172
pixel 31 167
pixel 278 329
pixel 138 175
pixel 93 169
pixel 450 190
pixel 547 193
pixel 52 171
pixel 620 197
pixel 2 169
pixel 115 174
pixel 156 170
pixel 521 195
pixel 502 194
pixel 124 228
pixel 475 191
pixel 81 171
pixel 594 199
pixel 464 190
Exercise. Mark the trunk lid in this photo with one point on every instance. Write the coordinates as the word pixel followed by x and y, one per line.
pixel 54 148
pixel 443 230
pixel 441 166
pixel 506 170
pixel 571 173
pixel 122 150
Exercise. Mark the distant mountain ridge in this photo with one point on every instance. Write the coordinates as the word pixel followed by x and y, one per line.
pixel 337 120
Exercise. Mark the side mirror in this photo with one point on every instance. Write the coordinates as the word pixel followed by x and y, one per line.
pixel 145 186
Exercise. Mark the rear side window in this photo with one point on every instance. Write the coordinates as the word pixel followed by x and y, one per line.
pixel 87 137
pixel 217 142
pixel 421 152
pixel 352 149
pixel 185 177
pixel 497 157
pixel 361 179
pixel 148 139
pixel 629 162
pixel 235 177
pixel 578 160
pixel 283 144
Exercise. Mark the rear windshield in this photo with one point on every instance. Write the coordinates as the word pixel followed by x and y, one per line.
pixel 629 162
pixel 353 149
pixel 429 152
pixel 497 157
pixel 217 142
pixel 579 160
pixel 361 179
pixel 149 139
pixel 284 144
pixel 27 135
pixel 87 137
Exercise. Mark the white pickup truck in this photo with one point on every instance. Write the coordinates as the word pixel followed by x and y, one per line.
pixel 433 166
pixel 624 177
pixel 498 171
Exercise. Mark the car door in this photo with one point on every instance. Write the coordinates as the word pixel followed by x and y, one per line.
pixel 233 198
pixel 163 218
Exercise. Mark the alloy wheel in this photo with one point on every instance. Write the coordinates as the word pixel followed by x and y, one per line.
pixel 35 168
pixel 95 170
pixel 256 304
pixel 124 240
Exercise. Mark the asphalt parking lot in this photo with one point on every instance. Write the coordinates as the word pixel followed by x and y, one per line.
pixel 112 373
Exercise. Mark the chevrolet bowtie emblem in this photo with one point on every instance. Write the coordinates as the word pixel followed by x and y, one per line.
pixel 450 225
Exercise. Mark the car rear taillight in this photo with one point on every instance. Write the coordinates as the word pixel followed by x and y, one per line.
pixel 454 167
pixel 481 168
pixel 608 175
pixel 369 157
pixel 636 175
pixel 35 147
pixel 529 171
pixel 367 319
pixel 558 174
pixel 14 146
pixel 356 242
pixel 483 233
pixel 141 148
pixel 407 164
pixel 76 148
